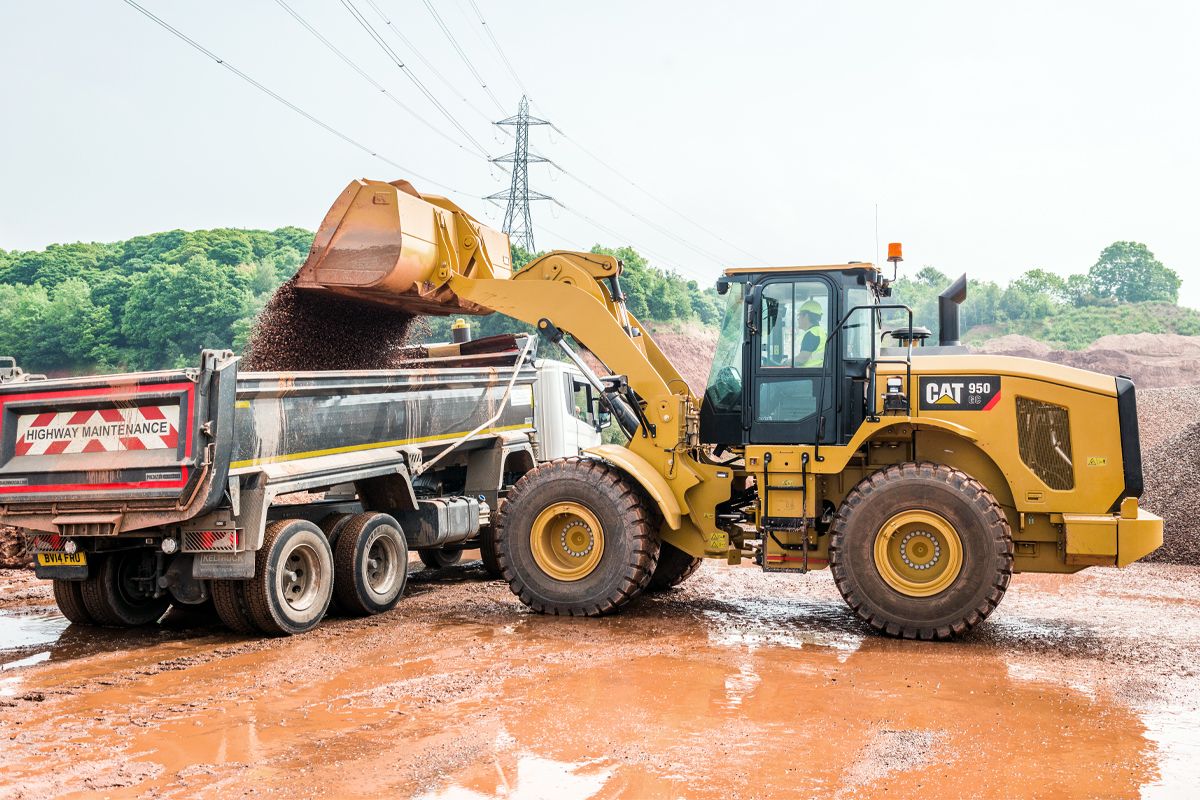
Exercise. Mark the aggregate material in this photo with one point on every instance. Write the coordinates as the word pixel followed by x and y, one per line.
pixel 300 331
pixel 739 684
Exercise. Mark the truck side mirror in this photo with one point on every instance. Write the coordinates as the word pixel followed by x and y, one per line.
pixel 603 420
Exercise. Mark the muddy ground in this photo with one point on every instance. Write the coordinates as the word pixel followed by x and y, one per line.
pixel 737 685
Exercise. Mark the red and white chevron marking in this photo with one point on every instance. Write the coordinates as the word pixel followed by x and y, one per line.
pixel 98 430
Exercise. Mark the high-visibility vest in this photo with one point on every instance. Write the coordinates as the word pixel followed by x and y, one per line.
pixel 817 359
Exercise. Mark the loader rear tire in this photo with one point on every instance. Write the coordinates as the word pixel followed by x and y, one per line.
pixel 68 596
pixel 370 565
pixel 921 551
pixel 229 598
pixel 575 538
pixel 293 578
pixel 674 567
pixel 115 593
pixel 441 558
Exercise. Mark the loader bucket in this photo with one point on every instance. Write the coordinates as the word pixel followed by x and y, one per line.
pixel 382 243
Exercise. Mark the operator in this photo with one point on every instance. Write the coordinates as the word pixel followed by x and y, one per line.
pixel 811 347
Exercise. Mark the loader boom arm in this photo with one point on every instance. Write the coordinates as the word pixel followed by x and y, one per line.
pixel 383 243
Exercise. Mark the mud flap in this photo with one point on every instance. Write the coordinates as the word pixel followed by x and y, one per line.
pixel 62 573
pixel 224 566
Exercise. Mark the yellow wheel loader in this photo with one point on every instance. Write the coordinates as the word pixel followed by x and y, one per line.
pixel 921 475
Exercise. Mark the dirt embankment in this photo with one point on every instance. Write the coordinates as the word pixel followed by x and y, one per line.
pixel 1152 359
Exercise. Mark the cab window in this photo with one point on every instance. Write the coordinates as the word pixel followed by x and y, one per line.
pixel 793 325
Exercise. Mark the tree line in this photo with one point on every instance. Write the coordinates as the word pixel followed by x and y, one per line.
pixel 1127 290
pixel 155 301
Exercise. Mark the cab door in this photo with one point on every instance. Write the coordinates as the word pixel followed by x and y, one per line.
pixel 792 367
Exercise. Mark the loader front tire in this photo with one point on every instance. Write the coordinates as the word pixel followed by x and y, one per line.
pixel 674 567
pixel 921 551
pixel 293 578
pixel 576 539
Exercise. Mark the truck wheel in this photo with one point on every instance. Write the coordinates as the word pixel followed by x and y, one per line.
pixel 921 551
pixel 233 608
pixel 441 558
pixel 68 596
pixel 333 525
pixel 674 567
pixel 370 564
pixel 487 551
pixel 293 578
pixel 119 594
pixel 576 539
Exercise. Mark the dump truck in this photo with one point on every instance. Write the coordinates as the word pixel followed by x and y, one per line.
pixel 921 476
pixel 273 495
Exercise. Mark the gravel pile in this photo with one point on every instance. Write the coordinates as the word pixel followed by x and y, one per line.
pixel 299 330
pixel 1171 466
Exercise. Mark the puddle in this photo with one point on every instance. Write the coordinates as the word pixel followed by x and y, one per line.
pixel 22 631
pixel 525 776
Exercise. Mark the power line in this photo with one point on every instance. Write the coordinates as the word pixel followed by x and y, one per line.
pixel 399 62
pixel 396 32
pixel 282 100
pixel 517 79
pixel 705 228
pixel 349 62
pixel 499 50
pixel 462 54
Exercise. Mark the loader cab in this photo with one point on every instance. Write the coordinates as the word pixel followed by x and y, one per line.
pixel 793 357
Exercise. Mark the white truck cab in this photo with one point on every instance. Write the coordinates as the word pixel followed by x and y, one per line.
pixel 566 412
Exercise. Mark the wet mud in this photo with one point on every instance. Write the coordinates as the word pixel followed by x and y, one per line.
pixel 736 685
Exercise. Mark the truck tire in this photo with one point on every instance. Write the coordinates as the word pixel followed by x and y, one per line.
pixel 487 551
pixel 233 608
pixel 68 596
pixel 575 538
pixel 441 558
pixel 921 551
pixel 113 596
pixel 333 525
pixel 293 578
pixel 674 567
pixel 370 565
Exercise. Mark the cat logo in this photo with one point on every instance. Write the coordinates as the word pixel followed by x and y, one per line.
pixel 960 392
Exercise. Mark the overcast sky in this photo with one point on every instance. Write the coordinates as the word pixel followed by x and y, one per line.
pixel 993 138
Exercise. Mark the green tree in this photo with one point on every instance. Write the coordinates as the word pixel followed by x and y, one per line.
pixel 1129 273
pixel 175 310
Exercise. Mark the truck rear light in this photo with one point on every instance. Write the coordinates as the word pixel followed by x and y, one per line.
pixel 226 541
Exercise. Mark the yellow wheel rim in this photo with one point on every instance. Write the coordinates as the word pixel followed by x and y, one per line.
pixel 918 553
pixel 567 541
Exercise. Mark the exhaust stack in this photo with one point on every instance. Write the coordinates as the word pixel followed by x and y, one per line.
pixel 948 312
pixel 386 244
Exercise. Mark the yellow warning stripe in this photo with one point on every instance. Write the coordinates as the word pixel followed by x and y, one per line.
pixel 354 448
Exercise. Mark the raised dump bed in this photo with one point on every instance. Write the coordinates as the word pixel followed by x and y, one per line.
pixel 143 489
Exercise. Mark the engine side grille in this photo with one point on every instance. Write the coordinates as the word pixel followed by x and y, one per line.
pixel 1044 439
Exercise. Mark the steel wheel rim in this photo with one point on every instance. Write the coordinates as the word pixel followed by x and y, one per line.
pixel 299 580
pixel 381 563
pixel 567 541
pixel 918 553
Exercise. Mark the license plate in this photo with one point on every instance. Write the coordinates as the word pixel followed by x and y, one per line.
pixel 62 559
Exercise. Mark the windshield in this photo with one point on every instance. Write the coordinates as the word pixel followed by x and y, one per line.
pixel 724 390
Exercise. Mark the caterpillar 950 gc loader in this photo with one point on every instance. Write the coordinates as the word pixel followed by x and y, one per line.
pixel 922 477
